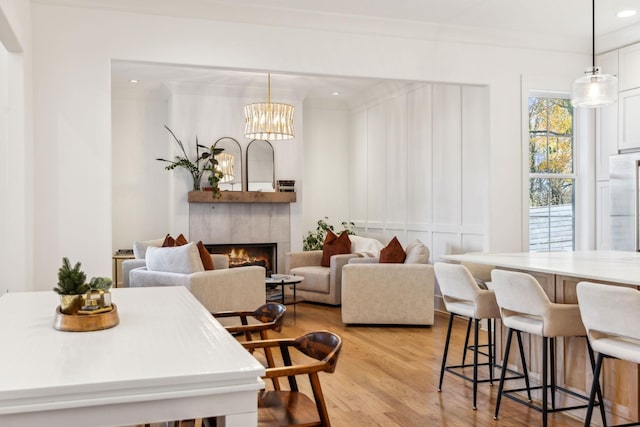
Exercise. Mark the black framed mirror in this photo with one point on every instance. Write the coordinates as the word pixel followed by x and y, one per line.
pixel 230 164
pixel 260 166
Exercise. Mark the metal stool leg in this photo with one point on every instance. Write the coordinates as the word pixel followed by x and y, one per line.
pixel 503 372
pixel 466 342
pixel 545 385
pixel 446 350
pixel 476 326
pixel 524 365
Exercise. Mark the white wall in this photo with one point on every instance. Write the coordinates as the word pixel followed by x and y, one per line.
pixel 72 97
pixel 16 147
pixel 326 167
pixel 140 198
pixel 420 158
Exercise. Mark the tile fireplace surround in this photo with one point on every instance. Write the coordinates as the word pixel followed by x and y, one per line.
pixel 242 223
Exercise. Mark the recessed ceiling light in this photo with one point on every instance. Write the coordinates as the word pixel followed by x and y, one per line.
pixel 133 81
pixel 626 13
pixel 335 93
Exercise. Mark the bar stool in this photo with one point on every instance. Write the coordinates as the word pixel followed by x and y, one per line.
pixel 462 297
pixel 611 315
pixel 525 307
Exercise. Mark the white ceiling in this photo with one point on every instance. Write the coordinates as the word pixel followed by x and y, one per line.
pixel 550 24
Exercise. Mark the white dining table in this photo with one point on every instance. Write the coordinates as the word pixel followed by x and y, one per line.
pixel 167 359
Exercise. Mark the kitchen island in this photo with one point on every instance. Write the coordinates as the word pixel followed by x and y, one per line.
pixel 559 273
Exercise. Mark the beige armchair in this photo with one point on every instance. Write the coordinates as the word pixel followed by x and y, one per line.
pixel 389 293
pixel 321 284
pixel 393 294
pixel 221 289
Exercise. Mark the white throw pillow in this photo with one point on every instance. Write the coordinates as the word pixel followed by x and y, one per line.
pixel 417 253
pixel 183 259
pixel 365 246
pixel 140 248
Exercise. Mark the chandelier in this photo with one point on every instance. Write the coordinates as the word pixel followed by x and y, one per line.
pixel 266 120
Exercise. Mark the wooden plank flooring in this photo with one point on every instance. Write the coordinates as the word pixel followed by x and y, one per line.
pixel 388 376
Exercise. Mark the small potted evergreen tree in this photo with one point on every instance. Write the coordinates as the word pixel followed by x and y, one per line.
pixel 71 287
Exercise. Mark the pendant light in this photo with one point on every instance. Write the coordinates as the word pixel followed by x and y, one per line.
pixel 594 89
pixel 269 121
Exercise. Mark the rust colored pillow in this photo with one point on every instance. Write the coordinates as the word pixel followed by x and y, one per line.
pixel 392 253
pixel 334 245
pixel 205 256
pixel 169 242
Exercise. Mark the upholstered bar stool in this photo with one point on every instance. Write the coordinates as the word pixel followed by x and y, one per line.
pixel 464 298
pixel 611 315
pixel 525 307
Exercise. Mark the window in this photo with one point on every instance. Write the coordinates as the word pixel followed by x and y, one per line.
pixel 551 174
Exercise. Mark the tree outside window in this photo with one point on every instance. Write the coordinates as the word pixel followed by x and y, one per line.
pixel 551 175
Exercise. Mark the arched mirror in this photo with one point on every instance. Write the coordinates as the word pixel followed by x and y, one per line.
pixel 260 169
pixel 230 164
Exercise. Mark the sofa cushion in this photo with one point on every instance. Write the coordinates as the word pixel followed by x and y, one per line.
pixel 417 253
pixel 334 245
pixel 392 253
pixel 316 278
pixel 183 259
pixel 140 248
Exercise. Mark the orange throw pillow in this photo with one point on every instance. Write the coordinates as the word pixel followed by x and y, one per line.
pixel 181 240
pixel 392 253
pixel 334 245
pixel 169 242
pixel 205 256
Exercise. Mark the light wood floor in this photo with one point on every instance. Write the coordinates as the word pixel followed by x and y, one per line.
pixel 388 376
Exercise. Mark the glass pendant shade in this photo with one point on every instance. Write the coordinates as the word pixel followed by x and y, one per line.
pixel 269 121
pixel 594 89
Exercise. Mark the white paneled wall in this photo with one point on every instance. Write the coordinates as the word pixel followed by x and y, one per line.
pixel 420 168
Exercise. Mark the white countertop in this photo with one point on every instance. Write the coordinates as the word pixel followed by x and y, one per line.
pixel 611 266
pixel 166 346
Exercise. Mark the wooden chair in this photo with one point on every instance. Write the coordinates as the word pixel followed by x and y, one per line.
pixel 291 407
pixel 270 316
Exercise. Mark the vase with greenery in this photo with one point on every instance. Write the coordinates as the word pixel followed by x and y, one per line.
pixel 71 286
pixel 315 239
pixel 205 161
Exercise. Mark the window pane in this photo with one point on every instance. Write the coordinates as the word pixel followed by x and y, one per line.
pixel 560 155
pixel 551 214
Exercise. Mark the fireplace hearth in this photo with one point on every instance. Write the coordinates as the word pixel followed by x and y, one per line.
pixel 246 254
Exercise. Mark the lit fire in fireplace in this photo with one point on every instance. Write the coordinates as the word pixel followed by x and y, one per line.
pixel 240 258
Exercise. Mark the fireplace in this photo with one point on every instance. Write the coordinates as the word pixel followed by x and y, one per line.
pixel 245 254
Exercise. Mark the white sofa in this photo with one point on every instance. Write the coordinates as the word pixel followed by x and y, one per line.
pixel 389 294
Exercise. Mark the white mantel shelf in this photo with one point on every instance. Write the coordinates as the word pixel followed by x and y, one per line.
pixel 242 197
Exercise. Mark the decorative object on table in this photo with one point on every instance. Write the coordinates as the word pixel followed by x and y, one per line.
pixel 205 162
pixel 594 89
pixel 314 239
pixel 83 306
pixel 287 185
pixel 266 120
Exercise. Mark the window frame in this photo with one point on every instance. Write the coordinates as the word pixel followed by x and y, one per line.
pixel 550 175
